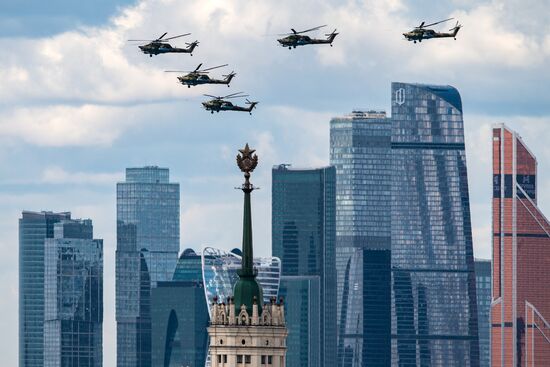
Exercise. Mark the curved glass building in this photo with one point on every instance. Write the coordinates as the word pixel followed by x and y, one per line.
pixel 219 270
pixel 434 309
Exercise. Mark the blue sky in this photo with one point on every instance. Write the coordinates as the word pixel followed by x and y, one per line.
pixel 78 104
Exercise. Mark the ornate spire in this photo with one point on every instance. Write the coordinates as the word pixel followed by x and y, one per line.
pixel 247 288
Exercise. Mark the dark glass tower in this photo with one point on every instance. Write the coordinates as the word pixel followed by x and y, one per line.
pixel 73 318
pixel 34 228
pixel 147 252
pixel 303 237
pixel 434 309
pixel 360 149
pixel 302 306
pixel 180 316
pixel 483 290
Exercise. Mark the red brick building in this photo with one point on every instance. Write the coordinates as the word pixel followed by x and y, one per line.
pixel 520 336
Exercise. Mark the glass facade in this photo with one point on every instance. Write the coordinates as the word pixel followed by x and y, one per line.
pixel 303 237
pixel 302 299
pixel 434 307
pixel 180 316
pixel 34 228
pixel 360 150
pixel 147 251
pixel 483 290
pixel 73 296
pixel 219 269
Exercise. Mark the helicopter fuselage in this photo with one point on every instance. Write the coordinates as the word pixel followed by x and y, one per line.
pixel 156 48
pixel 419 34
pixel 193 79
pixel 217 105
pixel 294 40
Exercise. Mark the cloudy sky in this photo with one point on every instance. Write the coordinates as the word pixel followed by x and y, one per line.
pixel 78 104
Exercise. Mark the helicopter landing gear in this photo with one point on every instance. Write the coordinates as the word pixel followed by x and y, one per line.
pixel 212 112
pixel 294 46
pixel 331 45
pixel 188 86
pixel 289 47
pixel 455 38
pixel 150 55
pixel 414 41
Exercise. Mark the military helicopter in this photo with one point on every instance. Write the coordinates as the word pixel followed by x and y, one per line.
pixel 161 45
pixel 420 32
pixel 198 76
pixel 297 39
pixel 217 104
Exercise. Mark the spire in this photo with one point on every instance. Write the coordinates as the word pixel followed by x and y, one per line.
pixel 247 288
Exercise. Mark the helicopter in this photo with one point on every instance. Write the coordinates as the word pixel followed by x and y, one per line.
pixel 198 76
pixel 217 104
pixel 297 39
pixel 420 32
pixel 161 46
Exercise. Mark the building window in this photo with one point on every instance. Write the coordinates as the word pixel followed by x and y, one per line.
pixel 239 358
pixel 225 358
pixel 219 358
pixel 263 360
pixel 247 359
pixel 269 360
pixel 221 341
pixel 243 342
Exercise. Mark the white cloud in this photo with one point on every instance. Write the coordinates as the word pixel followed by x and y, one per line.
pixel 57 175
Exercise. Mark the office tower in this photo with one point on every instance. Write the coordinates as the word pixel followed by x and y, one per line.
pixel 483 290
pixel 147 252
pixel 73 318
pixel 360 150
pixel 243 331
pixel 520 312
pixel 303 237
pixel 434 310
pixel 220 273
pixel 180 316
pixel 303 303
pixel 34 228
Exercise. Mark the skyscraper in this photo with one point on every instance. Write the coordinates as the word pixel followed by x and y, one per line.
pixel 147 252
pixel 520 312
pixel 34 228
pixel 73 319
pixel 303 237
pixel 434 310
pixel 483 290
pixel 302 309
pixel 360 150
pixel 180 316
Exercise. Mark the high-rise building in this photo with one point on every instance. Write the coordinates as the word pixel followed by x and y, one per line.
pixel 360 150
pixel 34 228
pixel 520 311
pixel 73 318
pixel 434 310
pixel 220 270
pixel 302 309
pixel 243 331
pixel 180 316
pixel 147 252
pixel 483 290
pixel 303 237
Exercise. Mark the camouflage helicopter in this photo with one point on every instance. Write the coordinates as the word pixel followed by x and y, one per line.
pixel 217 104
pixel 198 76
pixel 161 46
pixel 297 39
pixel 420 32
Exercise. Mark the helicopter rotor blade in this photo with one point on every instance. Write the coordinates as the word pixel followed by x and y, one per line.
pixel 165 33
pixel 198 67
pixel 181 35
pixel 441 21
pixel 214 67
pixel 421 25
pixel 311 29
pixel 211 96
pixel 141 40
pixel 232 94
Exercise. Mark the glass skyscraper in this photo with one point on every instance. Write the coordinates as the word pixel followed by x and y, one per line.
pixel 73 293
pixel 147 252
pixel 219 269
pixel 303 237
pixel 434 309
pixel 360 150
pixel 34 228
pixel 302 299
pixel 180 316
pixel 483 290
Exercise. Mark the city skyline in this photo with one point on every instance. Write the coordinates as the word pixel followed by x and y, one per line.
pixel 66 141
